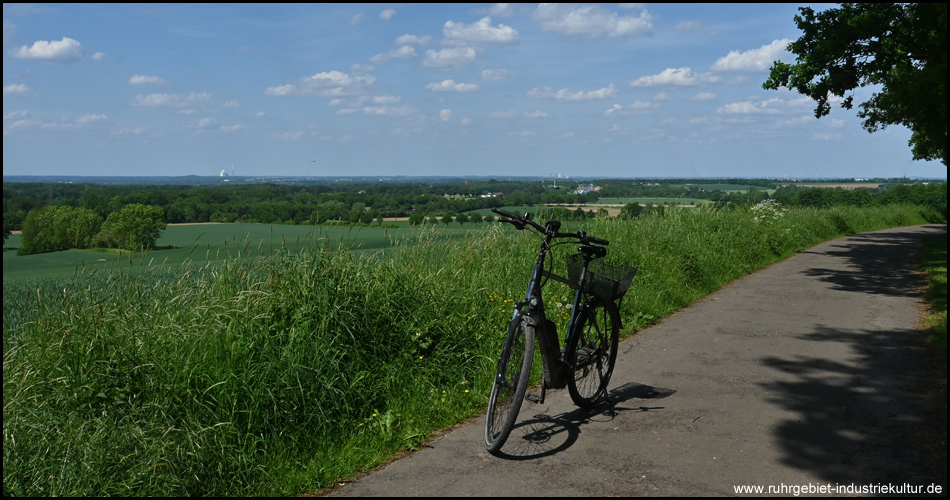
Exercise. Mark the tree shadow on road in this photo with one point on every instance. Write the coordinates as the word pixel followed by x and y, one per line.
pixel 878 264
pixel 545 435
pixel 876 420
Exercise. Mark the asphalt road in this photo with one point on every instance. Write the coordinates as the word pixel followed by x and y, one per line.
pixel 809 372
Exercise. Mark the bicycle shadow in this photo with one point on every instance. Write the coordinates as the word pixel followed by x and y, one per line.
pixel 545 435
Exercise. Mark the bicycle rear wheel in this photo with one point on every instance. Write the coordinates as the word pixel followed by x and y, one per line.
pixel 511 380
pixel 593 352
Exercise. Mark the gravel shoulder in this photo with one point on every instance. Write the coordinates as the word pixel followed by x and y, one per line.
pixel 813 371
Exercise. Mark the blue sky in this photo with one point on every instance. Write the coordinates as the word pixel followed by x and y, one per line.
pixel 611 90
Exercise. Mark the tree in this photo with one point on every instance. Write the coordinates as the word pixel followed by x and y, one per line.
pixel 900 47
pixel 134 227
pixel 52 228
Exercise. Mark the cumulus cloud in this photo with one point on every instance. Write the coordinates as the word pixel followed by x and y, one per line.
pixel 449 57
pixel 98 56
pixel 16 89
pixel 591 21
pixel 704 96
pixel 387 14
pixel 65 50
pixel 566 95
pixel 674 76
pixel 404 52
pixel 749 107
pixel 451 86
pixel 139 80
pixel 326 84
pixel 759 59
pixel 446 115
pixel 413 40
pixel 481 32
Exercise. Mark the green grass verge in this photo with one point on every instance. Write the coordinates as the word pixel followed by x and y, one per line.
pixel 280 373
pixel 935 263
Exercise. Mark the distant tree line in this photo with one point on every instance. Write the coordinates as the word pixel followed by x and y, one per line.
pixel 52 204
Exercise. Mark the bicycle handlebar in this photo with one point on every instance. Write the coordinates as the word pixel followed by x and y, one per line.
pixel 521 221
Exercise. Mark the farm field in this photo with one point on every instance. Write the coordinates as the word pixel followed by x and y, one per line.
pixel 203 243
pixel 655 201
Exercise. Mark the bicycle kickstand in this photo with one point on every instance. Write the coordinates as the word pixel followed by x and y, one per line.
pixel 536 397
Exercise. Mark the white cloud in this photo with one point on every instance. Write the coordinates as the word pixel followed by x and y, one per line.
pixel 16 89
pixel 281 90
pixel 704 96
pixel 494 74
pixel 386 99
pixel 591 21
pixel 759 59
pixel 413 40
pixel 379 111
pixel 449 58
pixel 451 86
pixel 480 32
pixel 536 114
pixel 128 131
pixel 65 50
pixel 356 19
pixel 98 56
pixel 566 95
pixel 662 96
pixel 387 14
pixel 87 119
pixel 17 114
pixel 446 115
pixel 231 128
pixel 326 84
pixel 637 108
pixel 173 100
pixel 146 80
pixel 673 76
pixel 231 104
pixel 748 108
pixel 404 52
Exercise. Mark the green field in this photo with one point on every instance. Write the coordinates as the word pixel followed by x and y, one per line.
pixel 203 243
pixel 726 188
pixel 654 201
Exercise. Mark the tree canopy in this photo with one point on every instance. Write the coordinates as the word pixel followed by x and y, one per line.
pixel 902 48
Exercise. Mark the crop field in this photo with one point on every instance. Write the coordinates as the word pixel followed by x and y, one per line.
pixel 654 201
pixel 204 243
pixel 726 188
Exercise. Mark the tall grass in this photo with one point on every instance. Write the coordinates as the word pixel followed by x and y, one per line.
pixel 280 375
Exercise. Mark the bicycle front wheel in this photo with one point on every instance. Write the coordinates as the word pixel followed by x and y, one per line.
pixel 592 353
pixel 511 380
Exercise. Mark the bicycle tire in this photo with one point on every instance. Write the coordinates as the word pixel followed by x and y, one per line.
pixel 511 381
pixel 593 352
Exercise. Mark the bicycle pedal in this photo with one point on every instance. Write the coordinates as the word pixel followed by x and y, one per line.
pixel 535 397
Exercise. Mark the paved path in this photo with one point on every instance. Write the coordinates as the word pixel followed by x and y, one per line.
pixel 802 373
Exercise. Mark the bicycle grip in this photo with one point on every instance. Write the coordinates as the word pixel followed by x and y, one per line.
pixel 505 213
pixel 599 241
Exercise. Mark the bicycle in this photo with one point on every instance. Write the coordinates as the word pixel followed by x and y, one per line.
pixel 586 361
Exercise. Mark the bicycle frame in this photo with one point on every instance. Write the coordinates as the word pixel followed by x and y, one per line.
pixel 554 366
